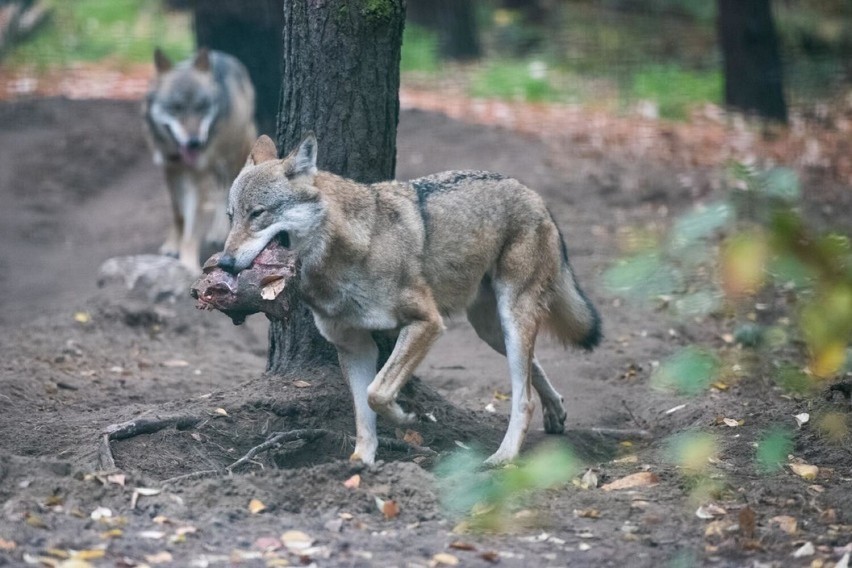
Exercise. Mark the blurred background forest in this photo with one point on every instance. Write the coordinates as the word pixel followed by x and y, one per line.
pixel 656 57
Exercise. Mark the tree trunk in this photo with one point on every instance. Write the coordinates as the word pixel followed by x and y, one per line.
pixel 752 61
pixel 251 32
pixel 455 23
pixel 341 80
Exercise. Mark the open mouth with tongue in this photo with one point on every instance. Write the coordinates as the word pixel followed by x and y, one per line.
pixel 190 156
pixel 258 288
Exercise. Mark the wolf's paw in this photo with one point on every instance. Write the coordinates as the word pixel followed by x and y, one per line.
pixel 554 418
pixel 170 251
pixel 499 458
pixel 393 412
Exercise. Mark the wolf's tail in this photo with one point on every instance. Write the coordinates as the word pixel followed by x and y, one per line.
pixel 572 318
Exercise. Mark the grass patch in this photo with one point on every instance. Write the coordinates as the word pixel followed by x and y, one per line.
pixel 514 80
pixel 419 50
pixel 91 30
pixel 676 90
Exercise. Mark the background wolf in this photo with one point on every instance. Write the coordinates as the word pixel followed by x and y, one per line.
pixel 397 257
pixel 200 122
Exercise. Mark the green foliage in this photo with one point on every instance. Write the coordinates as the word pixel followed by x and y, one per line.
pixel 488 497
pixel 514 80
pixel 90 30
pixel 773 448
pixel 419 50
pixel 676 89
pixel 690 371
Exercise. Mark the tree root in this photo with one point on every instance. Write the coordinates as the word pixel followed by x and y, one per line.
pixel 131 428
pixel 136 427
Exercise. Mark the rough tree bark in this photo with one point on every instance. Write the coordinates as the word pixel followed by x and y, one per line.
pixel 251 32
pixel 455 23
pixel 341 80
pixel 752 60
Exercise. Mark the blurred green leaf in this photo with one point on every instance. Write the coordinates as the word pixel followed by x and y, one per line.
pixel 689 372
pixel 700 224
pixel 699 303
pixel 781 183
pixel 792 379
pixel 749 334
pixel 773 448
pixel 691 450
pixel 787 269
pixel 643 277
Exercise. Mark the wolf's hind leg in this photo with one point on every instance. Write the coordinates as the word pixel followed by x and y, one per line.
pixel 411 346
pixel 484 318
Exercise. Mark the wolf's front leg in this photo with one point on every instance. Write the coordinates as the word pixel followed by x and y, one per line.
pixel 171 247
pixel 411 347
pixel 358 357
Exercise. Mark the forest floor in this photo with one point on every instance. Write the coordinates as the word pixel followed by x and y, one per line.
pixel 78 188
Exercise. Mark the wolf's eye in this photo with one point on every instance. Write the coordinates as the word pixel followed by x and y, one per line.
pixel 256 213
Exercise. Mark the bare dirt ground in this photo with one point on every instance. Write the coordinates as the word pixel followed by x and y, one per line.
pixel 78 187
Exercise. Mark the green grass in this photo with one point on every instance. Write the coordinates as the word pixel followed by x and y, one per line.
pixel 126 31
pixel 513 80
pixel 675 89
pixel 419 50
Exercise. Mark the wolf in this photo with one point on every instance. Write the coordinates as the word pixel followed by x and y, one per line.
pixel 398 257
pixel 200 125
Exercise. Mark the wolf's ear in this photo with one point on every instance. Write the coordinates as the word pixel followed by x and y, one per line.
pixel 303 160
pixel 262 151
pixel 162 61
pixel 202 60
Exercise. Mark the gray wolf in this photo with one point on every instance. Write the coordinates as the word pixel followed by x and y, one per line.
pixel 398 257
pixel 200 126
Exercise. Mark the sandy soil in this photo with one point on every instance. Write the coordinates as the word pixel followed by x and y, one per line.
pixel 78 188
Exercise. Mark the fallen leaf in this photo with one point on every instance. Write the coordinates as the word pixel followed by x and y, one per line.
pixel 53 501
pixel 185 530
pixel 267 543
pixel 462 445
pixel 461 545
pixel 719 385
pixel 490 407
pixel 117 478
pixel 161 520
pixel 159 558
pixel 35 521
pixel 100 513
pixel 7 545
pixel 445 559
pixel 271 290
pixel 716 529
pixel 412 437
pixel 346 516
pixel 296 541
pixel 90 554
pixel 631 458
pixel 587 513
pixel 112 533
pixel 806 549
pixel 802 419
pixel 151 535
pixel 255 506
pixel 747 519
pixel 490 556
pixel 805 471
pixel 730 422
pixel 390 509
pixel 174 363
pixel 639 479
pixel 501 395
pixel 301 384
pixel 583 546
pixel 142 492
pixel 220 411
pixel 353 482
pixel 786 523
pixel 82 317
pixel 709 511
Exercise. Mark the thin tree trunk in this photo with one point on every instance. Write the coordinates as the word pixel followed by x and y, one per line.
pixel 341 80
pixel 251 32
pixel 752 60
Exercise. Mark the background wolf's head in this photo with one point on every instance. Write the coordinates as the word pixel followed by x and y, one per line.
pixel 183 106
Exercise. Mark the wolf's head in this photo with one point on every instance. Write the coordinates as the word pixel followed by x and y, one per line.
pixel 272 198
pixel 184 105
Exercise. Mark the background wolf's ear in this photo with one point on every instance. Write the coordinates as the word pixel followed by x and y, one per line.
pixel 161 61
pixel 262 151
pixel 303 160
pixel 202 60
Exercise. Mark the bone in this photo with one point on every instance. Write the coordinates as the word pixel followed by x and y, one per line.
pixel 239 296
